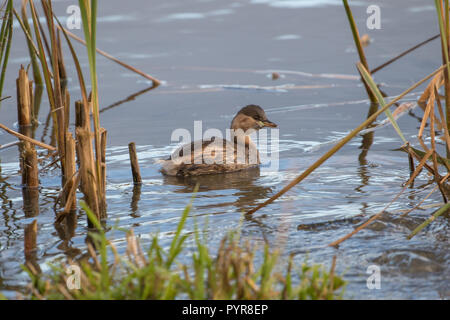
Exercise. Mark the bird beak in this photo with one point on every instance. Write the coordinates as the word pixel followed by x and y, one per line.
pixel 267 123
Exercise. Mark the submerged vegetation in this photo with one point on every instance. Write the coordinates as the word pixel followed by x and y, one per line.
pixel 159 273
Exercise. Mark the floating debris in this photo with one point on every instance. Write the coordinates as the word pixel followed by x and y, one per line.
pixel 280 88
pixel 365 40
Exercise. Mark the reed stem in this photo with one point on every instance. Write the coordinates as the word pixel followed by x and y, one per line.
pixel 70 170
pixel 359 47
pixel 135 170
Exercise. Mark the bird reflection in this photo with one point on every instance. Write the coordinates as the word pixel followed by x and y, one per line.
pixel 244 185
pixel 247 191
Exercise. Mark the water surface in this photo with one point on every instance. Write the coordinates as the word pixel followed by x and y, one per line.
pixel 215 57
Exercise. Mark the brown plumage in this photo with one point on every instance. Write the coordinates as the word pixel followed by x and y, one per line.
pixel 218 155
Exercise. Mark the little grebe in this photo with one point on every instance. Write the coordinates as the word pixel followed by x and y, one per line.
pixel 218 155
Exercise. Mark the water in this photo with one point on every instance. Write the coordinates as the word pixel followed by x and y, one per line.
pixel 215 57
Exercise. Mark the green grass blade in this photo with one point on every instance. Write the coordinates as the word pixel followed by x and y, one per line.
pixel 175 244
pixel 355 33
pixel 443 33
pixel 433 217
pixel 9 33
pixel 104 272
pixel 77 63
pixel 43 59
pixel 373 87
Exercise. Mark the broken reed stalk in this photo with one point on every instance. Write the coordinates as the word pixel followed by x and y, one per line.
pixel 87 171
pixel 28 155
pixel 89 185
pixel 88 9
pixel 25 138
pixel 341 143
pixel 137 180
pixel 70 170
pixel 47 56
pixel 23 98
pixel 82 121
pixel 28 164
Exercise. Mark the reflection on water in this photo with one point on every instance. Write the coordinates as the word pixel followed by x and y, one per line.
pixel 31 210
pixel 127 99
pixel 242 186
pixel 135 200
